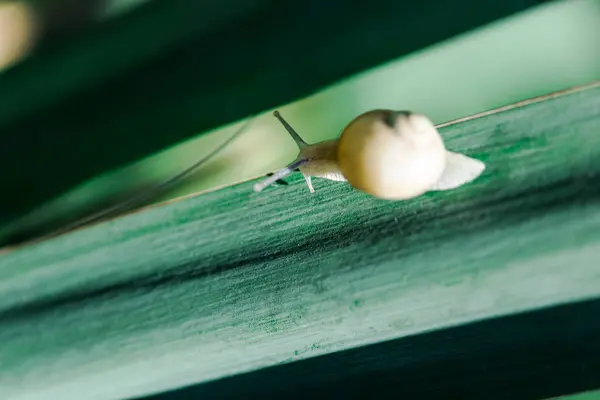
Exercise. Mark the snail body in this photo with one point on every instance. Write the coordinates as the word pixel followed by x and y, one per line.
pixel 323 162
pixel 393 155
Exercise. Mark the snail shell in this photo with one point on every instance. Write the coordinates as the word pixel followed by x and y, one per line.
pixel 392 155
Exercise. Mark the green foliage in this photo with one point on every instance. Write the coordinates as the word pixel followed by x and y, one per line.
pixel 156 76
pixel 232 281
pixel 545 49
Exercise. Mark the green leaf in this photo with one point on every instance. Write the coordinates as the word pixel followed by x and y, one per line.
pixel 232 281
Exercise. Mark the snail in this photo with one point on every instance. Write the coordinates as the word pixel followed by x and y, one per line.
pixel 392 155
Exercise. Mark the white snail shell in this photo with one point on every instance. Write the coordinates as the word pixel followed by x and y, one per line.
pixel 391 155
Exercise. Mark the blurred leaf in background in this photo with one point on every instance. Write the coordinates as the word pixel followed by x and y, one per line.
pixel 18 32
pixel 24 23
